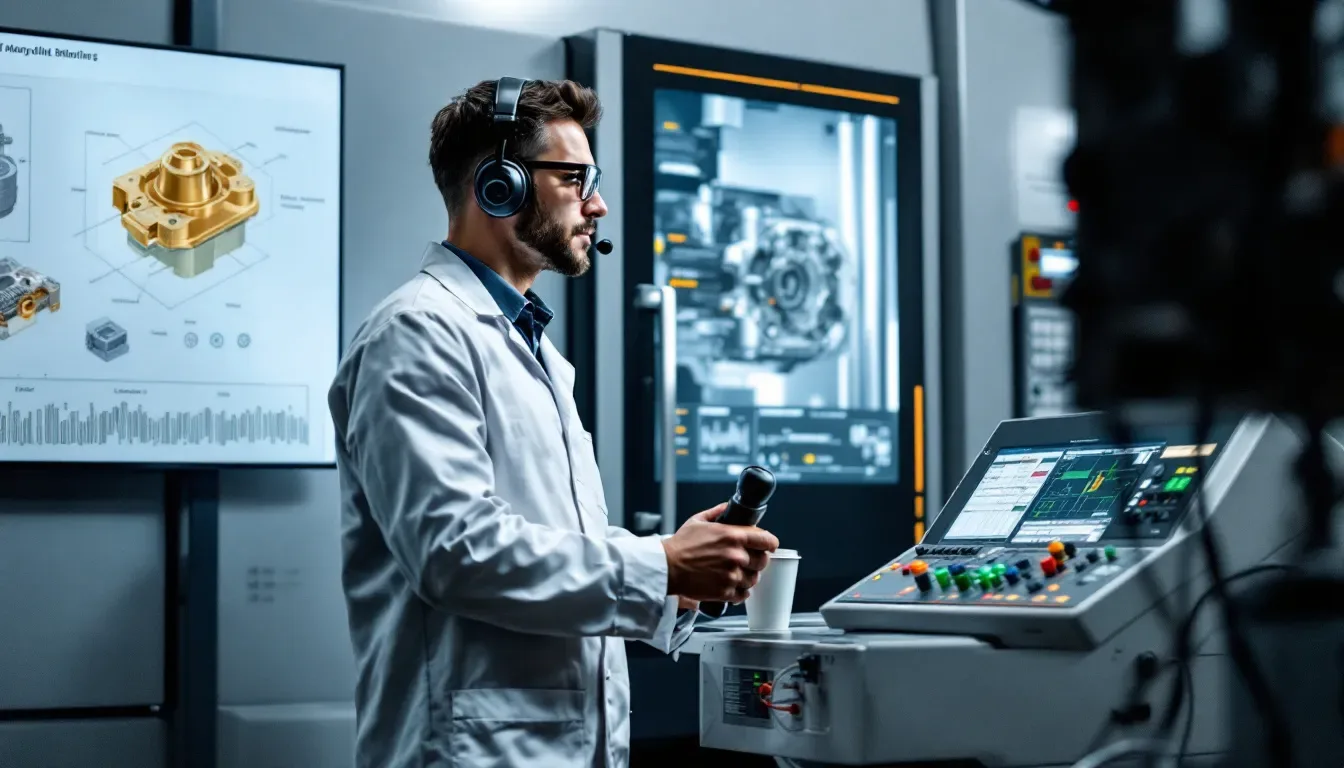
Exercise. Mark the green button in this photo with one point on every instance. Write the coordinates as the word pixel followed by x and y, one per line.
pixel 1110 553
pixel 963 581
pixel 986 581
pixel 944 578
pixel 996 578
pixel 999 568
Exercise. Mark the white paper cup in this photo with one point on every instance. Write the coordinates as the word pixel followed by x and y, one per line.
pixel 770 602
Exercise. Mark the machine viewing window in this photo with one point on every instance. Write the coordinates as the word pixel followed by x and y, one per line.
pixel 777 223
pixel 1079 493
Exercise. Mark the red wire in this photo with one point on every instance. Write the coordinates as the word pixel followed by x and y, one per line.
pixel 765 691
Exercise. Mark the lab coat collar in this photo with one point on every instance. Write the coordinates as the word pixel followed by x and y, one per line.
pixel 458 279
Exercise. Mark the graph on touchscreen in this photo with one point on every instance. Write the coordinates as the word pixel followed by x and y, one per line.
pixel 1088 483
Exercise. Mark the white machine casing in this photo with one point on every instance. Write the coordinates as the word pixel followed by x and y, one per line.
pixel 1021 686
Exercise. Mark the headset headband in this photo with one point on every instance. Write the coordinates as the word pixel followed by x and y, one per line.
pixel 508 92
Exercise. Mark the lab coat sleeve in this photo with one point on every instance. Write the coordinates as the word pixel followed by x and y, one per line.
pixel 417 436
pixel 674 627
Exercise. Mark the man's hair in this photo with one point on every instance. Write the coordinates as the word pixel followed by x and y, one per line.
pixel 462 133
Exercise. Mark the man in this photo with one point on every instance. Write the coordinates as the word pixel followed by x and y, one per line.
pixel 489 600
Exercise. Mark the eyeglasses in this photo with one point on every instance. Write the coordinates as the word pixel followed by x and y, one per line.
pixel 590 178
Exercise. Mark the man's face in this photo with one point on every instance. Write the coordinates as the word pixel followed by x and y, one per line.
pixel 557 226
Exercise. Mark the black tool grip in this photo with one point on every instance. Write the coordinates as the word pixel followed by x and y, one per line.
pixel 754 487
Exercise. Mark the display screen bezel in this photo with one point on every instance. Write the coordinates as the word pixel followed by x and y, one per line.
pixel 339 266
pixel 654 65
pixel 1075 431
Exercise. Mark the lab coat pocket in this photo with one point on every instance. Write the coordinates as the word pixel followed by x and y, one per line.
pixel 517 726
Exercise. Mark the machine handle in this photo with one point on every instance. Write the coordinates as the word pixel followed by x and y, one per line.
pixel 663 299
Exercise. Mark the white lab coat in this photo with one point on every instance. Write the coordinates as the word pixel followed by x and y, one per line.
pixel 489 600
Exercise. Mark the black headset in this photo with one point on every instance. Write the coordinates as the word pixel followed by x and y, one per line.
pixel 503 185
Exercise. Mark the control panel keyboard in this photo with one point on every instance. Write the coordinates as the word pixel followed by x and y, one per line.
pixel 1061 576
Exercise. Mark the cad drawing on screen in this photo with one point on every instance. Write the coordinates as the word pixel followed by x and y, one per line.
pixel 24 293
pixel 187 208
pixel 775 222
pixel 9 176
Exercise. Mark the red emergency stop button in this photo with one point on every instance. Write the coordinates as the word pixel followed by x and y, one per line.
pixel 1048 566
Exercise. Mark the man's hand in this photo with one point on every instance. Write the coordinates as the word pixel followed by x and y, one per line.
pixel 712 561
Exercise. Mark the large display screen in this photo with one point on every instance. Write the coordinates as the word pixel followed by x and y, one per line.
pixel 776 223
pixel 1080 493
pixel 169 255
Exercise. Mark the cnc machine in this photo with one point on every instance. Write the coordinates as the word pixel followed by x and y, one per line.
pixel 1035 619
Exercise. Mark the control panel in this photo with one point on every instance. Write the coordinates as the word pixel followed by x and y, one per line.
pixel 1043 330
pixel 1053 515
pixel 1056 576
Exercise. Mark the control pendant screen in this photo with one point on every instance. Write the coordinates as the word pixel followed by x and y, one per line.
pixel 776 223
pixel 169 255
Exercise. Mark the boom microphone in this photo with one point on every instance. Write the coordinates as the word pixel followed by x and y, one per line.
pixel 754 487
pixel 603 246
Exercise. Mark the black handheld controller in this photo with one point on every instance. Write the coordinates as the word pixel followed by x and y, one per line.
pixel 755 486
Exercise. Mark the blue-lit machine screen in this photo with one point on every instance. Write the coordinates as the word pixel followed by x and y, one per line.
pixel 776 223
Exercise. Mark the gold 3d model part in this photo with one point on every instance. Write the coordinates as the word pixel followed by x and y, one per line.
pixel 187 208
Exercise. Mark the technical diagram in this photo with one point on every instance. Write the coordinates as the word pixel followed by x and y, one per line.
pixel 24 292
pixel 187 208
pixel 106 339
pixel 9 177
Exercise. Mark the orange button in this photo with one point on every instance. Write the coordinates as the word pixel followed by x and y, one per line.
pixel 1056 548
pixel 919 568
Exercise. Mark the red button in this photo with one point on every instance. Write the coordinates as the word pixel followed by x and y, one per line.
pixel 1034 255
pixel 1041 283
pixel 1048 566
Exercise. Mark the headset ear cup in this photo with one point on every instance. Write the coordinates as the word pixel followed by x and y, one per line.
pixel 501 186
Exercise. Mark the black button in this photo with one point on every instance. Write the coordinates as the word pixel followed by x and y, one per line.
pixel 1071 549
pixel 1033 586
pixel 1080 566
pixel 921 550
pixel 1023 565
pixel 1093 556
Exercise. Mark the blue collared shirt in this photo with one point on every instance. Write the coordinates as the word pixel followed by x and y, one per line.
pixel 528 313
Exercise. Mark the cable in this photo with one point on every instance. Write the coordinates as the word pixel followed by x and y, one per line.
pixel 1185 648
pixel 1125 748
pixel 1188 680
pixel 1278 743
pixel 792 707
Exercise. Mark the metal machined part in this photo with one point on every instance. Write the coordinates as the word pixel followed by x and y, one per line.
pixel 106 339
pixel 9 177
pixel 24 292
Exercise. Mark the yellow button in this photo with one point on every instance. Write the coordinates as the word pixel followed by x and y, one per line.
pixel 1014 596
pixel 1053 587
pixel 1061 598
pixel 1038 599
pixel 877 576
